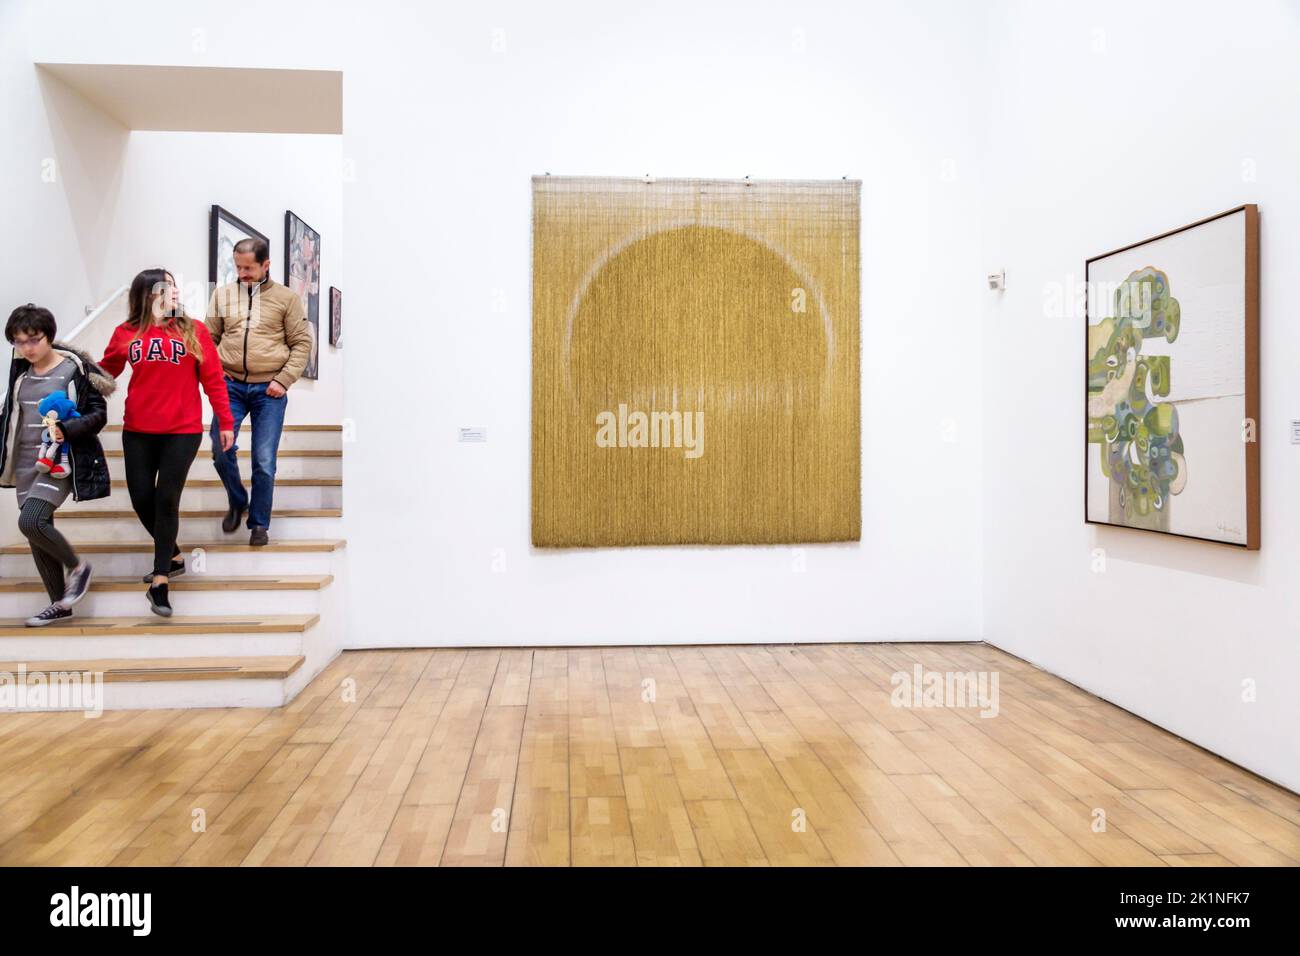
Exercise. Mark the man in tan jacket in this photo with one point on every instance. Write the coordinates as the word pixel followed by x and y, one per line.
pixel 264 340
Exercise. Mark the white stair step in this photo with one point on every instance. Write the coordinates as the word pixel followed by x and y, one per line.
pixel 104 514
pixel 232 556
pixel 290 498
pixel 292 438
pixel 191 593
pixel 166 682
pixel 208 494
pixel 286 466
pixel 244 453
pixel 108 528
pixel 224 635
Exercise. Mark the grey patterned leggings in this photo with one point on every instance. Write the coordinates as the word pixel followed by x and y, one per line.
pixel 50 549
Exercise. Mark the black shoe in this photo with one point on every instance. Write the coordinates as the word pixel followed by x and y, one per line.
pixel 177 568
pixel 258 538
pixel 77 585
pixel 158 602
pixel 50 615
pixel 234 517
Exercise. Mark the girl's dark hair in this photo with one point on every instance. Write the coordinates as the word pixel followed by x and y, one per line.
pixel 31 319
pixel 143 289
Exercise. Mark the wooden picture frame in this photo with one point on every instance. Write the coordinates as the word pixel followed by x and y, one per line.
pixel 302 276
pixel 1214 347
pixel 217 217
pixel 336 317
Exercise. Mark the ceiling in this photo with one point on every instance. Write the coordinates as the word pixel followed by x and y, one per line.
pixel 210 99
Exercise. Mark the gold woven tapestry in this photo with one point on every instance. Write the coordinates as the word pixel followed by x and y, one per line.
pixel 695 362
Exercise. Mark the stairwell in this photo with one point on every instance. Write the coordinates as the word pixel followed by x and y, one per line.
pixel 252 626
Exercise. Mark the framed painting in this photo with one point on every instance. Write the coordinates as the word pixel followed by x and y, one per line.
pixel 1172 372
pixel 695 362
pixel 302 275
pixel 224 230
pixel 336 317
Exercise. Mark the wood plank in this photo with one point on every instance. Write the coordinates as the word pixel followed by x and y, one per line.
pixel 92 513
pixel 282 453
pixel 188 582
pixel 539 816
pixel 121 670
pixel 153 624
pixel 276 545
pixel 207 428
pixel 279 483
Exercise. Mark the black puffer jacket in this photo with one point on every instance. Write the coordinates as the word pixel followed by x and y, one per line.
pixel 89 387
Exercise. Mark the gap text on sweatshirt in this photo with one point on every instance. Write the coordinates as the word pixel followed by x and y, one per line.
pixel 162 397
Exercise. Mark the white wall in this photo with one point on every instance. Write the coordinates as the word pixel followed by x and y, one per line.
pixel 170 181
pixel 1119 121
pixel 446 119
pixel 61 167
pixel 90 203
pixel 446 134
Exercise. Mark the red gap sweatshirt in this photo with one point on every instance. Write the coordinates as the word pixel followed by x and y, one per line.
pixel 163 395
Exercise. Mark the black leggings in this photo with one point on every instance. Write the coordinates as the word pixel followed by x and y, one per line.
pixel 156 468
pixel 50 549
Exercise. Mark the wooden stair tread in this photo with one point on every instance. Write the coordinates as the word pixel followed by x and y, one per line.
pixel 282 453
pixel 234 543
pixel 279 482
pixel 189 582
pixel 121 670
pixel 252 623
pixel 207 427
pixel 213 513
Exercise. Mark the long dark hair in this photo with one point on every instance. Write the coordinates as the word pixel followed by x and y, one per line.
pixel 140 302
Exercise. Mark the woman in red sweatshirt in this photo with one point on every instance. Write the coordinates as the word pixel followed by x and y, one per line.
pixel 170 356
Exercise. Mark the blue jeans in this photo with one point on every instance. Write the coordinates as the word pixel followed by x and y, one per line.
pixel 250 398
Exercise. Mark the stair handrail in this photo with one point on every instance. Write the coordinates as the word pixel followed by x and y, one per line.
pixel 95 313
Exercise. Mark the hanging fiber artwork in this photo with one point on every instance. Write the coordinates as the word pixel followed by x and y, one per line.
pixel 695 362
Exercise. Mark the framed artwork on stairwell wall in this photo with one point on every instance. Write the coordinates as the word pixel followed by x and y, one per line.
pixel 336 317
pixel 1172 383
pixel 224 230
pixel 302 275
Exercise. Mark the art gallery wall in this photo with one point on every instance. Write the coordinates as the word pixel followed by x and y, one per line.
pixel 447 113
pixel 169 182
pixel 89 203
pixel 61 169
pixel 445 140
pixel 1115 122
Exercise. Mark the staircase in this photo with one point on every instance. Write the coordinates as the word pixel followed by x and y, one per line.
pixel 252 626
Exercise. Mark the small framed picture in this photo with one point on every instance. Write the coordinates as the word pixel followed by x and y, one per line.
pixel 302 275
pixel 336 317
pixel 224 230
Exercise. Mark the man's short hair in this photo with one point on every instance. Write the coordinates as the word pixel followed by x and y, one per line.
pixel 260 248
pixel 31 320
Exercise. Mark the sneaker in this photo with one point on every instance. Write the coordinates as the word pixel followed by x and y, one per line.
pixel 77 585
pixel 50 615
pixel 158 602
pixel 258 538
pixel 177 568
pixel 234 517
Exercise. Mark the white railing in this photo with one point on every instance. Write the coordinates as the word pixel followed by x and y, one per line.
pixel 94 314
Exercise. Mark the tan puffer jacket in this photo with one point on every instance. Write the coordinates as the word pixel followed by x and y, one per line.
pixel 262 336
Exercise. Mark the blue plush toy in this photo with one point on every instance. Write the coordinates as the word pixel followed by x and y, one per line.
pixel 53 458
